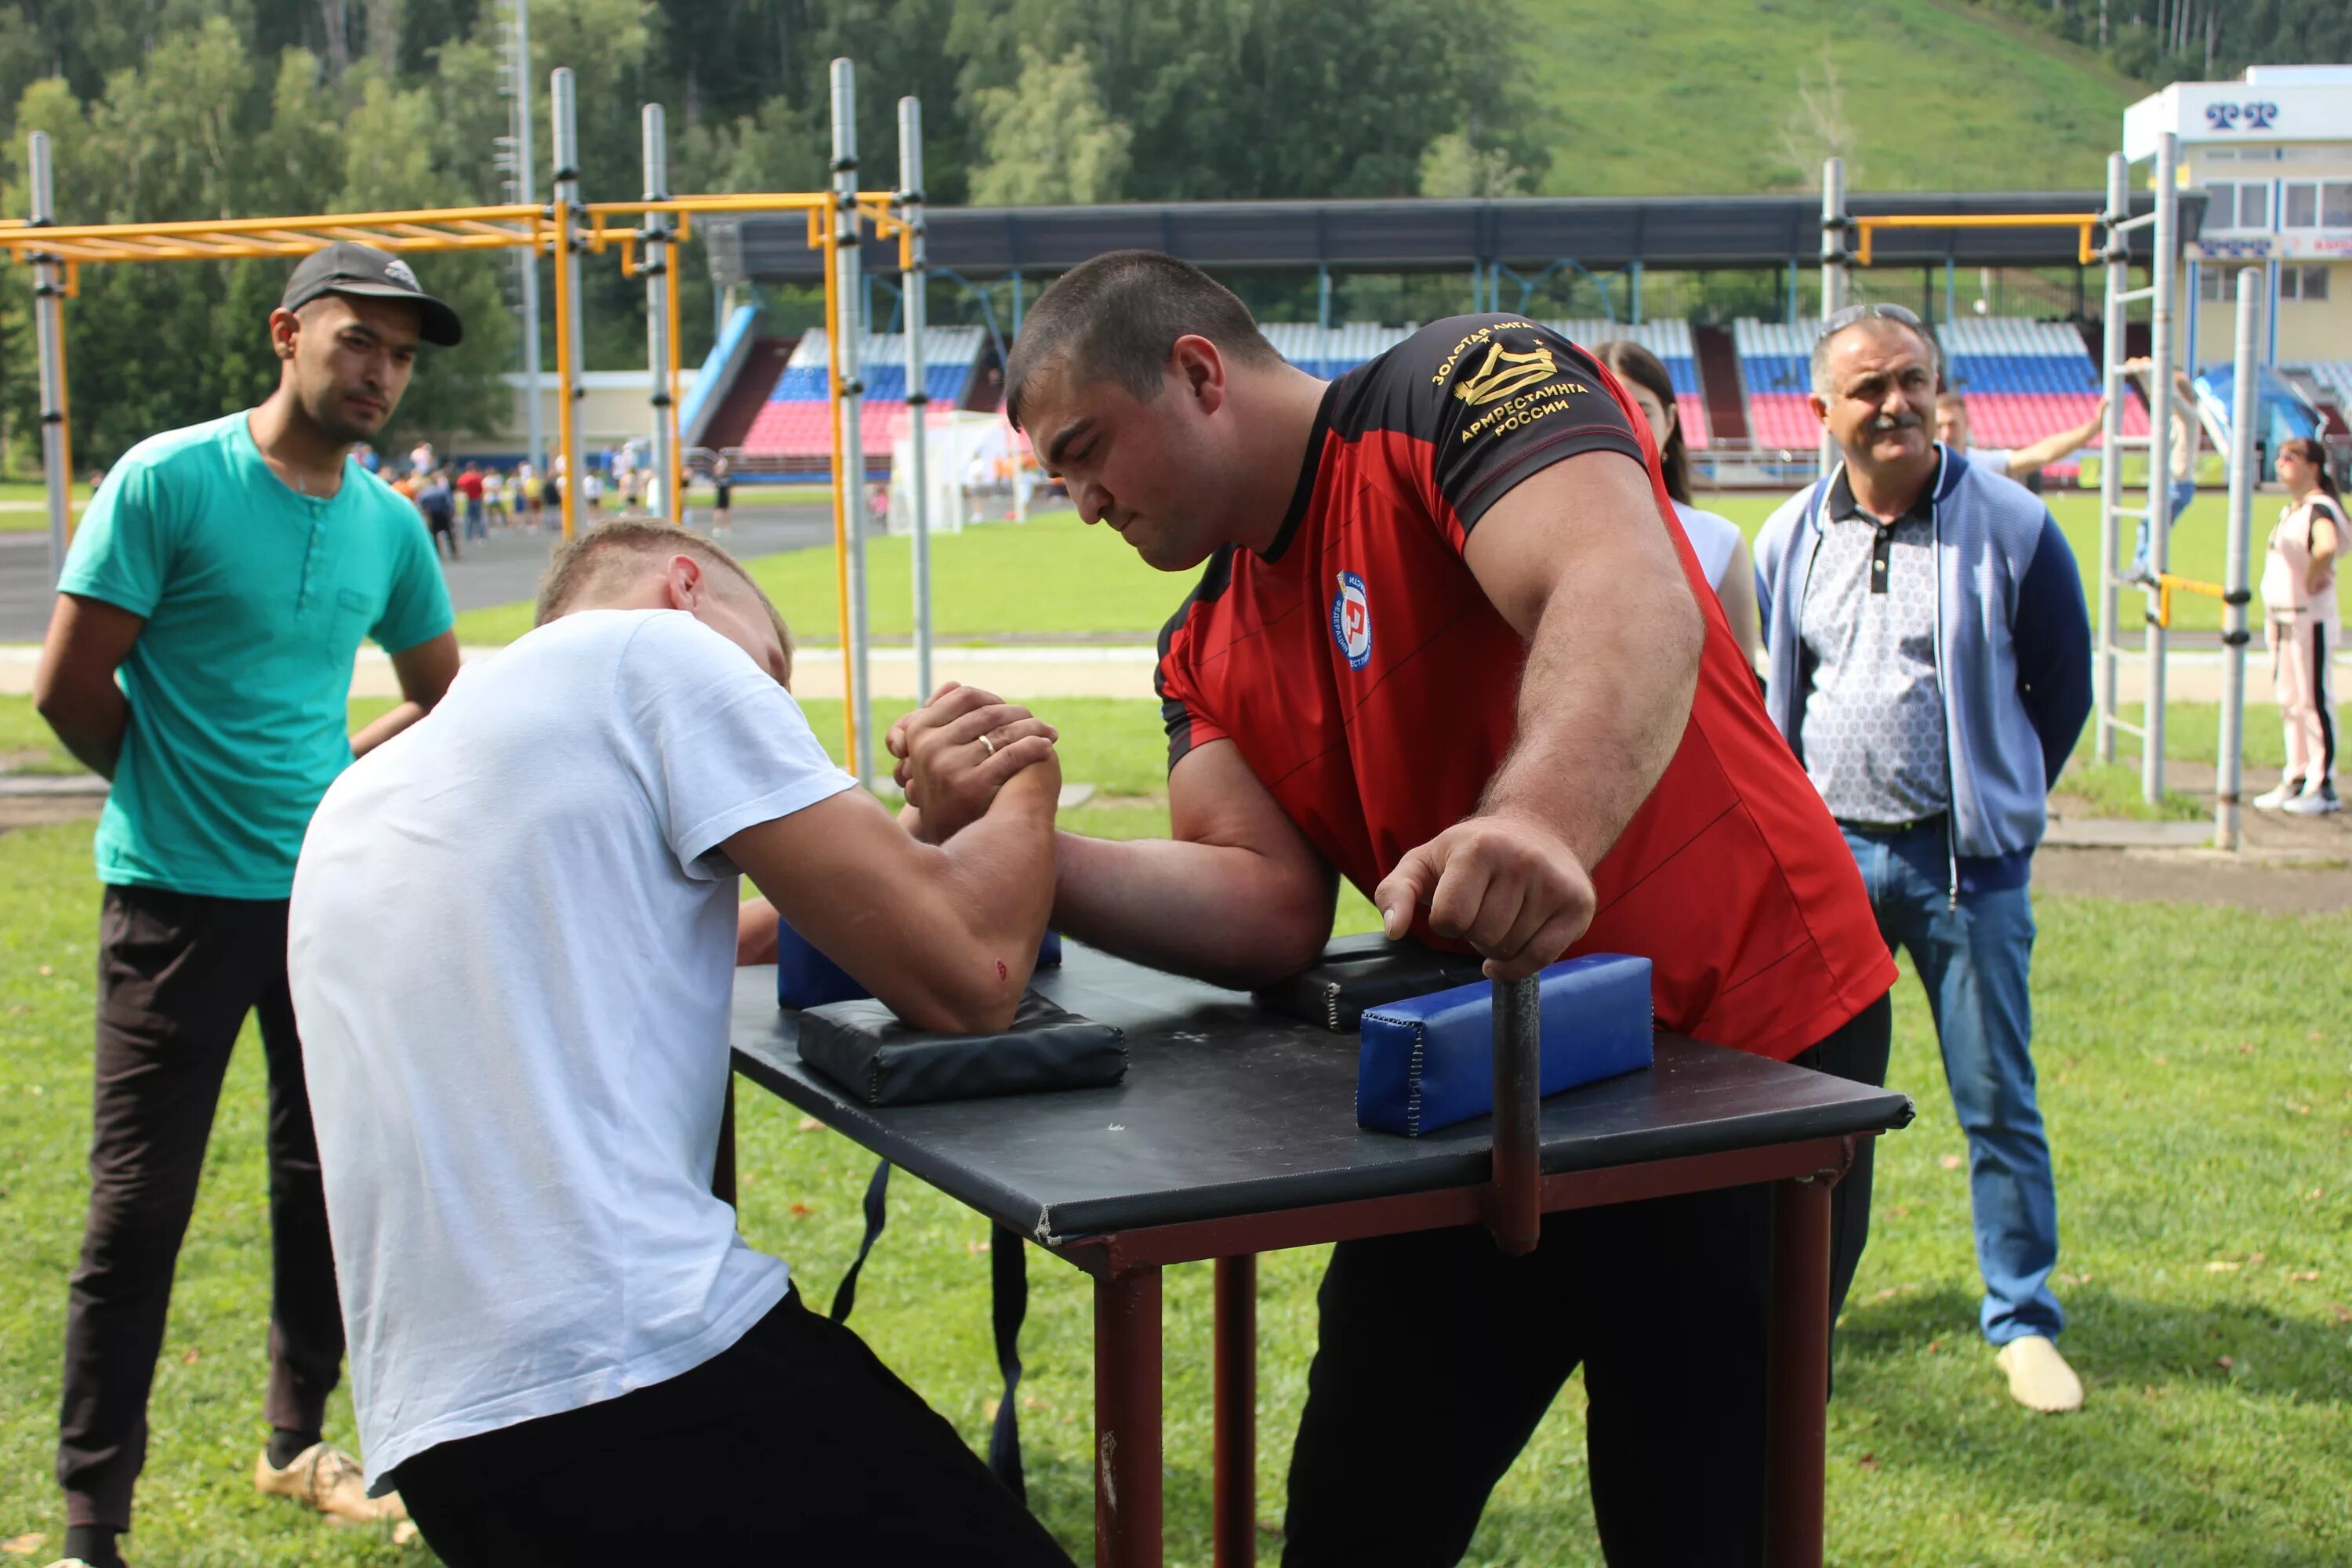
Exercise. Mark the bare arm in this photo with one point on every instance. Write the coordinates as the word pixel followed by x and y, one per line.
pixel 426 672
pixel 1577 559
pixel 945 936
pixel 2323 546
pixel 73 686
pixel 2026 461
pixel 1238 897
pixel 1738 594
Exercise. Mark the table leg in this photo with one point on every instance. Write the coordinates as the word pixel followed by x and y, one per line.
pixel 1235 1530
pixel 1799 1386
pixel 1127 1420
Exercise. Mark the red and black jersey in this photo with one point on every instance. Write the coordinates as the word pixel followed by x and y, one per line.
pixel 1373 689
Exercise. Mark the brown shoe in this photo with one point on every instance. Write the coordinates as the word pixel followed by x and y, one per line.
pixel 324 1477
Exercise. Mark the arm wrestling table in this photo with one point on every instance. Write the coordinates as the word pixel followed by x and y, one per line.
pixel 1234 1133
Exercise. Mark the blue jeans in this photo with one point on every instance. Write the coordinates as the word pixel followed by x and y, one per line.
pixel 2177 501
pixel 1973 960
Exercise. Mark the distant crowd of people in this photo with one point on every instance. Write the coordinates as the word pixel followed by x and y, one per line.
pixel 461 504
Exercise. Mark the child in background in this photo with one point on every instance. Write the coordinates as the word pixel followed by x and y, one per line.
pixel 2299 615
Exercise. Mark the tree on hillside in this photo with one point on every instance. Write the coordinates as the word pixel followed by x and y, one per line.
pixel 1816 128
pixel 1456 166
pixel 1048 138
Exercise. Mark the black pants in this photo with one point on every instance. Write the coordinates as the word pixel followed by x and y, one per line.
pixel 444 527
pixel 794 1445
pixel 1439 1355
pixel 177 972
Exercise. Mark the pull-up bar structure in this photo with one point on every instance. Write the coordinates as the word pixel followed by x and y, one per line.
pixel 563 228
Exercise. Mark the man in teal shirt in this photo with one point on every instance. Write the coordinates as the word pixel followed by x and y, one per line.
pixel 200 656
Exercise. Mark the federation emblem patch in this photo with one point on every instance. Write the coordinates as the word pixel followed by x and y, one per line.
pixel 398 271
pixel 1351 621
pixel 1504 374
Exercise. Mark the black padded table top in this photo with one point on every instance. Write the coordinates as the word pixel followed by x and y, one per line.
pixel 1227 1109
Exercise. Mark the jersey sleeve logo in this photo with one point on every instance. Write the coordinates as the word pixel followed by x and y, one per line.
pixel 1351 621
pixel 1503 373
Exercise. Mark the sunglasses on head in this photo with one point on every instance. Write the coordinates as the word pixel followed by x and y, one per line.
pixel 1853 313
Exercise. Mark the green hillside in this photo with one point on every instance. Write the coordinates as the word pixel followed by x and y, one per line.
pixel 1693 96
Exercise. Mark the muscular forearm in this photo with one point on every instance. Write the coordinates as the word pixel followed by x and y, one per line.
pixel 1212 911
pixel 1602 706
pixel 89 724
pixel 998 887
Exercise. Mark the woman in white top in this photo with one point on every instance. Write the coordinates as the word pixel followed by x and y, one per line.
pixel 2299 614
pixel 1721 548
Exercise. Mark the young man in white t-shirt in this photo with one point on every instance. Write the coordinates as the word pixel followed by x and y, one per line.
pixel 511 946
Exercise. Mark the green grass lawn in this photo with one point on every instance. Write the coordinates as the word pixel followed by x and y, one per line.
pixel 1050 574
pixel 1055 575
pixel 1690 97
pixel 2204 1143
pixel 2200 546
pixel 23 508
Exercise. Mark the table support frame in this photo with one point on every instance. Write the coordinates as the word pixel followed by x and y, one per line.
pixel 1129 1351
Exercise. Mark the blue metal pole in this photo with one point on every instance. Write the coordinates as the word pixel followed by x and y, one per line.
pixel 1016 301
pixel 1634 268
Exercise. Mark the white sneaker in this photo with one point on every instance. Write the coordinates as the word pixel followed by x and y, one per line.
pixel 324 1477
pixel 2039 1377
pixel 2313 803
pixel 2273 799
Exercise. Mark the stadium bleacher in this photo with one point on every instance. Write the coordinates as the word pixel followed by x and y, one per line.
pixel 2021 380
pixel 2024 380
pixel 2336 375
pixel 795 423
pixel 1333 353
pixel 1776 365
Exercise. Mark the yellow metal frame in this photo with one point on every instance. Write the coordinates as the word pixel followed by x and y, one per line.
pixel 2084 223
pixel 2167 584
pixel 544 230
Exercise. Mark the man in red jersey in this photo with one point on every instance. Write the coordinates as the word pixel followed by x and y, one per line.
pixel 1450 644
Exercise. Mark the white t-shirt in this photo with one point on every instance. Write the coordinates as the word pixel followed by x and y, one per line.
pixel 1712 540
pixel 1992 460
pixel 511 946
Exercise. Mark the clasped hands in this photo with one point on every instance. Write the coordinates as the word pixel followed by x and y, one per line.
pixel 956 751
pixel 1505 882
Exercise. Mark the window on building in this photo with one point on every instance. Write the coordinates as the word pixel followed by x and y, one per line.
pixel 2299 204
pixel 2302 283
pixel 2335 204
pixel 2208 284
pixel 2237 205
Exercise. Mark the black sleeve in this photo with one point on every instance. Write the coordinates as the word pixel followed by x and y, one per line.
pixel 1510 398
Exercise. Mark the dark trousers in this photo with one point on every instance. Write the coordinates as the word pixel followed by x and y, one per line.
pixel 177 972
pixel 1439 1355
pixel 794 1445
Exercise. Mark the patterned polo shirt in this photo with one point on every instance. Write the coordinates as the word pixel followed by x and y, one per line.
pixel 1873 731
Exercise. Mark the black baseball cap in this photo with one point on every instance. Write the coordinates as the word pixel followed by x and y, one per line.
pixel 348 267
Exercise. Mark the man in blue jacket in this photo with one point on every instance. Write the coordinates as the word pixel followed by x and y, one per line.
pixel 1929 660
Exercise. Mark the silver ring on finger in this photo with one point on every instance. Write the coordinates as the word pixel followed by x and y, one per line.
pixel 990 742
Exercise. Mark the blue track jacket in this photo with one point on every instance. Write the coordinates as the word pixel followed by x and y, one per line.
pixel 2012 654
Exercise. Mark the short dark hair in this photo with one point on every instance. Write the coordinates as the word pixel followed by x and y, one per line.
pixel 1116 317
pixel 588 561
pixel 1629 360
